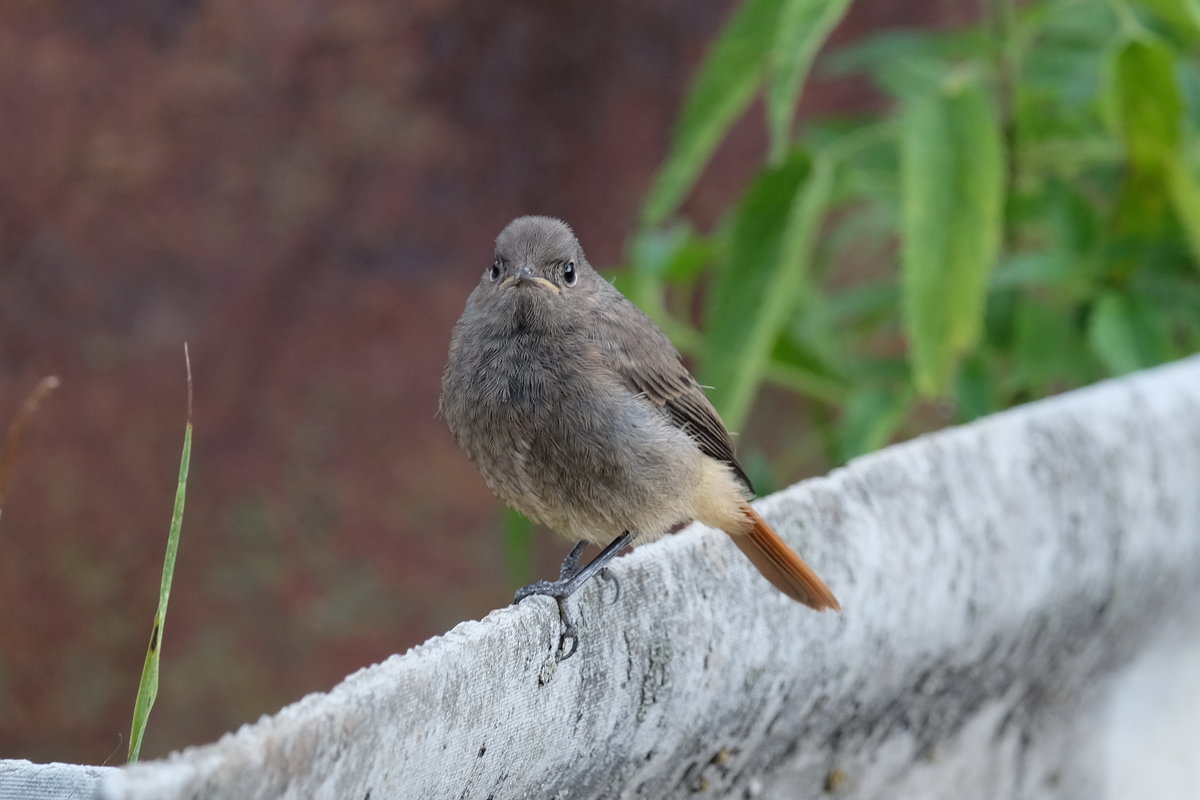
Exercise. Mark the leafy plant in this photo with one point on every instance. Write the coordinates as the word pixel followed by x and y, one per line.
pixel 1023 219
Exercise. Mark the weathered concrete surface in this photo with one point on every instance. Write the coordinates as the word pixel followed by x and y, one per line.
pixel 1149 722
pixel 1017 592
pixel 24 780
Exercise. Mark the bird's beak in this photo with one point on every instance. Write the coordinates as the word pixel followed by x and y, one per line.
pixel 523 275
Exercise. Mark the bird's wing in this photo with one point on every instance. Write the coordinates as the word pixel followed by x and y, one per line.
pixel 649 365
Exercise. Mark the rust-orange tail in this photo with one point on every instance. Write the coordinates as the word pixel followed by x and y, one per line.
pixel 783 568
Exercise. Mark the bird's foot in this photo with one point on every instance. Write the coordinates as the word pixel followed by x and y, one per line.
pixel 571 577
pixel 560 590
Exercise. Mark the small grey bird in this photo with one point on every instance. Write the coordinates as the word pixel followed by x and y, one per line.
pixel 578 412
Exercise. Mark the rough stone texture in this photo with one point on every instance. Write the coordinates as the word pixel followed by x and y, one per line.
pixel 1020 617
pixel 23 780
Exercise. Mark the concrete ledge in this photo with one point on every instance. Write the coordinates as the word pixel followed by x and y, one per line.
pixel 1016 593
pixel 24 780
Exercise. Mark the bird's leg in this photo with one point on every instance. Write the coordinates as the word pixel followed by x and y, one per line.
pixel 570 567
pixel 570 579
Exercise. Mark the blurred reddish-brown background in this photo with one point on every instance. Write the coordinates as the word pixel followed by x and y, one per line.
pixel 305 192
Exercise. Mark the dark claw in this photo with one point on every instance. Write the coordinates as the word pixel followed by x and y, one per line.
pixel 574 646
pixel 568 631
pixel 606 573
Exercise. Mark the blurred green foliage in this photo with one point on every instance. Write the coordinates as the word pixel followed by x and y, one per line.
pixel 1023 219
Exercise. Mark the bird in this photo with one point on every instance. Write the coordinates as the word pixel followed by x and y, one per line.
pixel 580 414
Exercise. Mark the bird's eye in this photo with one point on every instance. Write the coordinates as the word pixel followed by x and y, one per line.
pixel 494 272
pixel 569 275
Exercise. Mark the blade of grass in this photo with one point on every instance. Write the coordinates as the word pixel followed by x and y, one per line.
pixel 12 439
pixel 148 685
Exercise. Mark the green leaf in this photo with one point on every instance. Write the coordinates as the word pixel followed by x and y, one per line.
pixel 808 377
pixel 803 26
pixel 901 61
pixel 952 173
pixel 1181 16
pixel 724 87
pixel 1145 103
pixel 977 395
pixel 671 255
pixel 658 257
pixel 870 419
pixel 1146 107
pixel 1047 349
pixel 148 685
pixel 1032 268
pixel 853 304
pixel 1151 331
pixel 1074 225
pixel 769 252
pixel 1110 334
pixel 1127 333
pixel 1185 198
pixel 1062 61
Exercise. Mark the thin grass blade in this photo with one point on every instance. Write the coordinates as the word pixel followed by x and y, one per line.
pixel 148 685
